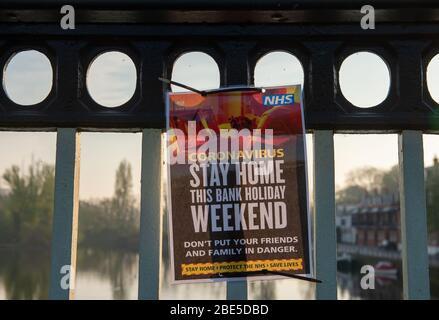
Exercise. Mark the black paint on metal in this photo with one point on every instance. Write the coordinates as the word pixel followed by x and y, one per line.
pixel 236 47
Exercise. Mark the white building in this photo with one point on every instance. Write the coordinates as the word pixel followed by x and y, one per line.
pixel 343 221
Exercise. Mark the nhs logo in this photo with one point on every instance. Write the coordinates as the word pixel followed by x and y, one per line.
pixel 278 99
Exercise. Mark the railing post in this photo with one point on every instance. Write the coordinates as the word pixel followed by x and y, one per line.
pixel 150 216
pixel 237 73
pixel 65 214
pixel 325 250
pixel 413 216
pixel 237 290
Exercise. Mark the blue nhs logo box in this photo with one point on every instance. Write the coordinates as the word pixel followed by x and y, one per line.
pixel 278 99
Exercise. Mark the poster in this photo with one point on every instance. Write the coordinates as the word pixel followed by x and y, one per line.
pixel 236 184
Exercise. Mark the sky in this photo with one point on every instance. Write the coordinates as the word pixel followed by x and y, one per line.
pixel 111 81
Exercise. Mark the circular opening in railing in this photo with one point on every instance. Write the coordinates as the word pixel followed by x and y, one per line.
pixel 278 68
pixel 28 77
pixel 433 78
pixel 111 79
pixel 195 69
pixel 364 79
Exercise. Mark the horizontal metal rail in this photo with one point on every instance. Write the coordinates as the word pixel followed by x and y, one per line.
pixel 236 49
pixel 223 4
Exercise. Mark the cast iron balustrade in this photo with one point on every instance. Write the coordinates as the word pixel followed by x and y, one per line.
pixel 154 33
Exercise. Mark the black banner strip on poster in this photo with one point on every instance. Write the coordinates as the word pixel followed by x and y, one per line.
pixel 206 92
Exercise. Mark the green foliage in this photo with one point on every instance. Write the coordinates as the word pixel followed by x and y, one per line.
pixel 123 201
pixel 370 179
pixel 26 210
pixel 367 178
pixel 351 194
pixel 111 222
pixel 390 180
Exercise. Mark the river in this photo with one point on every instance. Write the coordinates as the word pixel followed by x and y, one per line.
pixel 108 274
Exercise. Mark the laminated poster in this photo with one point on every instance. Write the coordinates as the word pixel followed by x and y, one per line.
pixel 236 185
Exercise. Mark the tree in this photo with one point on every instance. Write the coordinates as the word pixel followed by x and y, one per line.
pixel 123 199
pixel 27 209
pixel 29 205
pixel 390 180
pixel 112 221
pixel 350 195
pixel 367 178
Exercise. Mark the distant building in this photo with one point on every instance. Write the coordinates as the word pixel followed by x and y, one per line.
pixel 378 225
pixel 376 220
pixel 343 220
pixel 373 222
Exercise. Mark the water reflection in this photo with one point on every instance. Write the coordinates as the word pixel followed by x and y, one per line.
pixel 386 288
pixel 100 268
pixel 282 289
pixel 112 274
pixel 24 275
